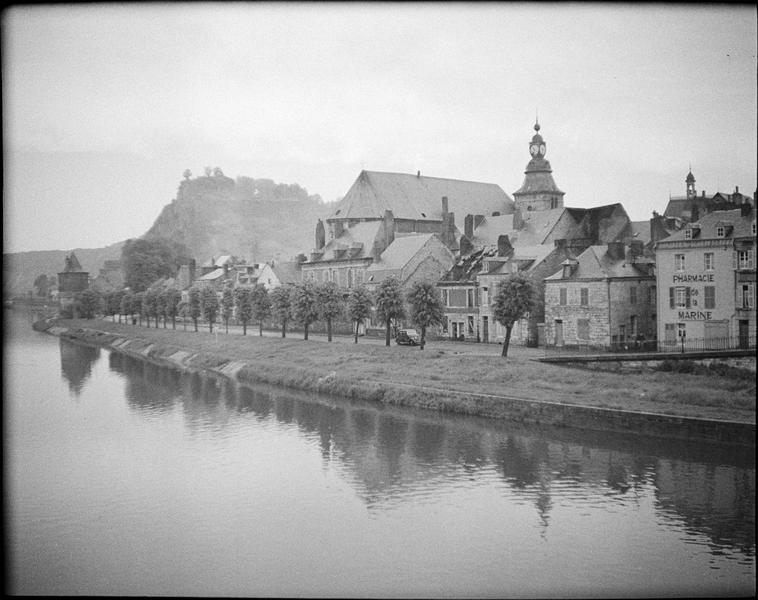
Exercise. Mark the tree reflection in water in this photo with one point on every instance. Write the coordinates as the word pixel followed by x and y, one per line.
pixel 389 453
pixel 76 363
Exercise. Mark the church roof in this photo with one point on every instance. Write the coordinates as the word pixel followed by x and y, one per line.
pixel 418 197
pixel 72 264
pixel 538 179
pixel 287 272
pixel 400 251
pixel 359 236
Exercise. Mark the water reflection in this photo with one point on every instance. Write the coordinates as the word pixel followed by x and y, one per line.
pixel 76 363
pixel 391 456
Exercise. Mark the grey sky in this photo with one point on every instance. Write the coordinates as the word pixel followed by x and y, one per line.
pixel 104 106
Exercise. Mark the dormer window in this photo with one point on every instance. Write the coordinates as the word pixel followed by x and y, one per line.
pixel 720 231
pixel 688 234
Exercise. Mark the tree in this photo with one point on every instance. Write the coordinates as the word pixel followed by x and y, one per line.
pixel 147 260
pixel 160 307
pixel 227 306
pixel 513 300
pixel 210 306
pixel 42 284
pixel 305 307
pixel 183 311
pixel 90 303
pixel 109 307
pixel 127 301
pixel 426 307
pixel 173 298
pixel 195 304
pixel 116 297
pixel 137 301
pixel 208 171
pixel 261 303
pixel 150 306
pixel 243 302
pixel 217 172
pixel 281 305
pixel 359 307
pixel 187 173
pixel 330 304
pixel 389 304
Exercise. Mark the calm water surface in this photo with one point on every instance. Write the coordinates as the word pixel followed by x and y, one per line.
pixel 125 478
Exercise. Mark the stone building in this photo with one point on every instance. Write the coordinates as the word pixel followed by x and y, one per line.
pixel 706 281
pixel 71 281
pixel 605 296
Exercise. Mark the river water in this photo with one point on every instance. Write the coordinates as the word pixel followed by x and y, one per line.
pixel 122 478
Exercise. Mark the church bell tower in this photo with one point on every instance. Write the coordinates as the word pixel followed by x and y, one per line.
pixel 538 192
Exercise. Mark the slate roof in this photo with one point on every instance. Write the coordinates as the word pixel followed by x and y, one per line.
pixel 418 197
pixel 287 272
pixel 72 264
pixel 361 233
pixel 400 251
pixel 709 221
pixel 491 228
pixel 538 179
pixel 213 275
pixel 641 231
pixel 538 225
pixel 594 263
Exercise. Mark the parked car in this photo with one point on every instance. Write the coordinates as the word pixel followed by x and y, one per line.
pixel 407 337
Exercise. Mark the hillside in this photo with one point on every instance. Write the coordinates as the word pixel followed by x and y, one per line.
pixel 257 219
pixel 20 269
pixel 253 218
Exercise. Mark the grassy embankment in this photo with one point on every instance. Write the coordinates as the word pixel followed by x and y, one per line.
pixel 440 377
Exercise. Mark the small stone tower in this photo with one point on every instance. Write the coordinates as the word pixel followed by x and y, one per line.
pixel 538 192
pixel 690 181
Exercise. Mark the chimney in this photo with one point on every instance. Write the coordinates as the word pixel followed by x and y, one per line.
pixel 518 220
pixel 444 204
pixel 418 173
pixel 468 226
pixel 192 267
pixel 561 243
pixel 615 250
pixel 504 247
pixel 736 189
pixel 338 227
pixel 745 209
pixel 478 220
pixel 496 214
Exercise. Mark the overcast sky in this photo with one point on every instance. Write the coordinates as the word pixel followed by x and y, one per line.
pixel 104 106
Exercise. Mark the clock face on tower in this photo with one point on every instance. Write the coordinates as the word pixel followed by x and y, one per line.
pixel 542 149
pixel 534 149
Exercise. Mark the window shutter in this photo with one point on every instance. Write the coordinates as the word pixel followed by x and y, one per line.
pixel 734 259
pixel 687 297
pixel 672 303
pixel 738 296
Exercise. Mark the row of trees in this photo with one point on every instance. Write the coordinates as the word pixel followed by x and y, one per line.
pixel 304 303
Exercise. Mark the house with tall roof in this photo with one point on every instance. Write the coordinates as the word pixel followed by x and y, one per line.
pixel 706 281
pixel 606 296
pixel 691 206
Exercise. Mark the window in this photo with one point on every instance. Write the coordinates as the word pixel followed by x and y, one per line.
pixel 633 327
pixel 485 298
pixel 710 296
pixel 720 231
pixel 469 297
pixel 708 261
pixel 688 234
pixel 470 326
pixel 349 278
pixel 633 295
pixel 679 262
pixel 670 332
pixel 745 298
pixel 584 295
pixel 681 330
pixel 622 333
pixel 457 297
pixel 682 297
pixel 562 300
pixel 444 298
pixel 583 329
pixel 745 259
pixel 651 295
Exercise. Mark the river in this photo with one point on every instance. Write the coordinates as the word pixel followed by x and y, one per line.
pixel 123 478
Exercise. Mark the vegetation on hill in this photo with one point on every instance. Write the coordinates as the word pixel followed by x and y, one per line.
pixel 255 218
